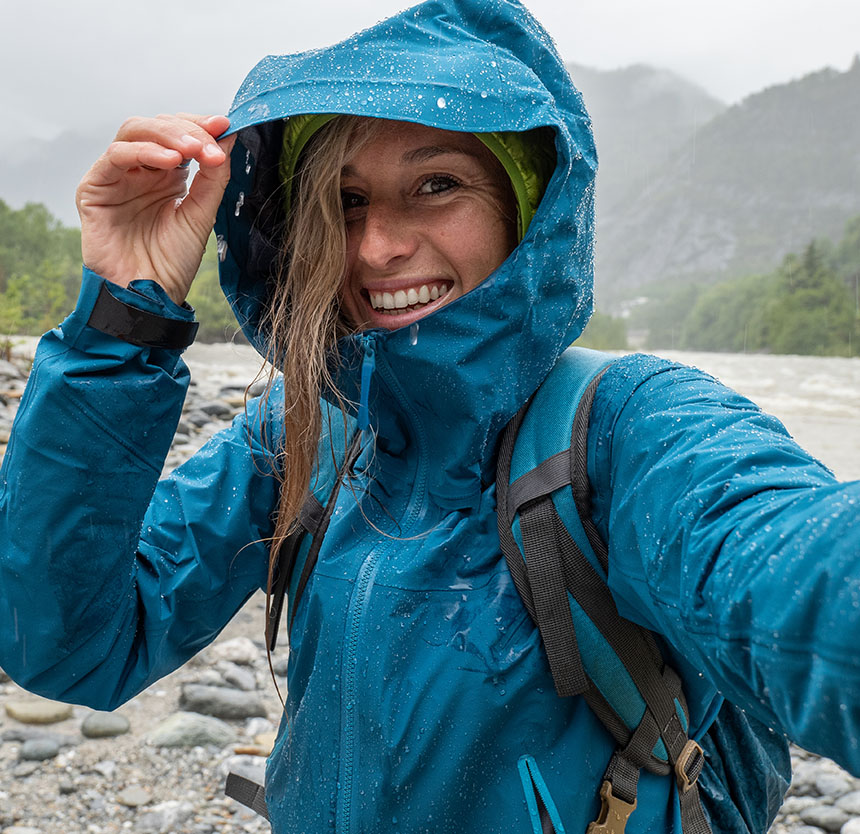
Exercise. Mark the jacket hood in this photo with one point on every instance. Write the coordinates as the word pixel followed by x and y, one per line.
pixel 459 374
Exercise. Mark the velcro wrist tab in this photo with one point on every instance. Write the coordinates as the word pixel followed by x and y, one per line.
pixel 138 327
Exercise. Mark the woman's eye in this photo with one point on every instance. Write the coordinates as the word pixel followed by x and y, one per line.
pixel 437 185
pixel 351 201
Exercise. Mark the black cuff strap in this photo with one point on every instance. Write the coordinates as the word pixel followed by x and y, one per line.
pixel 137 327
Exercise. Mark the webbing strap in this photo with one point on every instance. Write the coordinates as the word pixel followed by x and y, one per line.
pixel 310 562
pixel 251 794
pixel 545 478
pixel 552 608
pixel 310 517
pixel 516 564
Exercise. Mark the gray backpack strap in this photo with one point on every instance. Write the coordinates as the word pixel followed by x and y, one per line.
pixel 250 793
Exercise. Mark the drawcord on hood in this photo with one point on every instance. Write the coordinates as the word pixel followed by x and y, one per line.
pixel 528 159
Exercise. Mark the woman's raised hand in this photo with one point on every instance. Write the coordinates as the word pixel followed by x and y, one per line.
pixel 136 219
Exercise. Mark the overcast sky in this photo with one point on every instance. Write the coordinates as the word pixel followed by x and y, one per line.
pixel 74 63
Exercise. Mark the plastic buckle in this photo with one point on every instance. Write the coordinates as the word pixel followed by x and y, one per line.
pixel 613 815
pixel 689 765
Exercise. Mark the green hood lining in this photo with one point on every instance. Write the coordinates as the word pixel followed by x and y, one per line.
pixel 528 159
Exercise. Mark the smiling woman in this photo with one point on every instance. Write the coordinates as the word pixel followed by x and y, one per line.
pixel 433 173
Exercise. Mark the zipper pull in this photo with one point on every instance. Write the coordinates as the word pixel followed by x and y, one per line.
pixel 368 365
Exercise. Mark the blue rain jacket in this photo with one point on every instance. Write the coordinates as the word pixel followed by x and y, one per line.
pixel 419 698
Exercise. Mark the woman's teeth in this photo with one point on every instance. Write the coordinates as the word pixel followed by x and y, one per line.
pixel 403 299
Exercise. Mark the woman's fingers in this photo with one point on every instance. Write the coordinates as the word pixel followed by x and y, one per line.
pixel 208 186
pixel 189 135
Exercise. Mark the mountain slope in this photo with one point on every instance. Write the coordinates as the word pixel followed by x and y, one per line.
pixel 758 181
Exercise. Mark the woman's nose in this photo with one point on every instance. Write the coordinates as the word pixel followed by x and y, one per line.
pixel 386 235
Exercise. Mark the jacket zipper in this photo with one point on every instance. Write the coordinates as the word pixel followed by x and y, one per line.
pixel 364 584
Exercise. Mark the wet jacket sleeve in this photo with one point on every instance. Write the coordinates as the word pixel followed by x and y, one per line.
pixel 734 543
pixel 108 578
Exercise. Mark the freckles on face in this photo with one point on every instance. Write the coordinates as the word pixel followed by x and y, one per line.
pixel 429 215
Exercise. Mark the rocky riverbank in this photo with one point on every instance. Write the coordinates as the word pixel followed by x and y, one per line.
pixel 157 765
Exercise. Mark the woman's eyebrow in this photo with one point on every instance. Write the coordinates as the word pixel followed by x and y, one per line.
pixel 429 151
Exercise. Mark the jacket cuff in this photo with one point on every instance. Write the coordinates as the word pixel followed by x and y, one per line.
pixel 141 314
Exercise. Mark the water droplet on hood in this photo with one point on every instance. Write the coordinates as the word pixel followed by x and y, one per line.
pixel 441 103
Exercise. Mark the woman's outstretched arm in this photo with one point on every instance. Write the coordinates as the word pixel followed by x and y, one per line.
pixel 733 542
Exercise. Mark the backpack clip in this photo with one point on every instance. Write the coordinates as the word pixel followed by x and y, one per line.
pixel 614 812
pixel 689 765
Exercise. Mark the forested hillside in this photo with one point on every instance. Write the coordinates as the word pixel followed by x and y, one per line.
pixel 809 304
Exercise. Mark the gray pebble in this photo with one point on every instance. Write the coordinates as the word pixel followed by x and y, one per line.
pixel 850 803
pixel 164 817
pixel 280 666
pixel 851 827
pixel 833 784
pixel 38 749
pixel 251 767
pixel 241 650
pixel 134 797
pixel 21 829
pixel 106 768
pixel 187 729
pixel 237 677
pixel 828 817
pixel 795 804
pixel 221 702
pixel 217 408
pixel 257 389
pixel 66 786
pixel 28 733
pixel 197 418
pixel 24 769
pixel 104 725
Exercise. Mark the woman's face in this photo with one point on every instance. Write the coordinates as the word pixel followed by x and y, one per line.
pixel 429 215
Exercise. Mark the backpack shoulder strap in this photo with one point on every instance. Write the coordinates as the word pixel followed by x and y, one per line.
pixel 559 564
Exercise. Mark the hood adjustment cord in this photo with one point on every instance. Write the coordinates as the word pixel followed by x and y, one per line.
pixel 368 365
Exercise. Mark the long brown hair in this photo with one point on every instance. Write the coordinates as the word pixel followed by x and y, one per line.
pixel 304 320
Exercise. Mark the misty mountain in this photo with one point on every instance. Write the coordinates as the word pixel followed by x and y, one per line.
pixel 641 116
pixel 48 171
pixel 758 181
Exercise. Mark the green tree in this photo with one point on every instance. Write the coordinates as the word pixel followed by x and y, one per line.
pixel 604 332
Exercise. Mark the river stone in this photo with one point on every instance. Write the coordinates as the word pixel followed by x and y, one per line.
pixel 833 784
pixel 164 817
pixel 828 817
pixel 24 769
pixel 38 711
pixel 21 829
pixel 795 804
pixel 850 803
pixel 851 827
pixel 38 749
pixel 221 702
pixel 237 677
pixel 216 408
pixel 188 729
pixel 240 650
pixel 134 797
pixel 104 725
